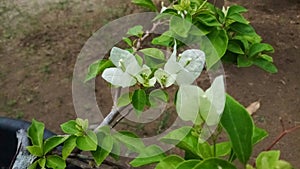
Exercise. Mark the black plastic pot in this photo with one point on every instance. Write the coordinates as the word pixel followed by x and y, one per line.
pixel 8 140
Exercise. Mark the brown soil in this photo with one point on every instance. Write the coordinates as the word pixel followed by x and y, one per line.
pixel 37 60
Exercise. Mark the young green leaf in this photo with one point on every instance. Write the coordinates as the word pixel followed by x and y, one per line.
pixel 241 28
pixel 53 142
pixel 235 47
pixel 33 165
pixel 36 133
pixel 136 31
pixel 70 128
pixel 164 40
pixel 103 150
pixel 180 26
pixel 139 98
pixel 208 19
pixel 187 164
pixel 239 126
pixel 258 135
pixel 169 162
pixel 97 67
pixel 243 61
pixel 124 100
pixel 214 163
pixel 154 53
pixel 68 147
pixel 56 162
pixel 42 162
pixel 267 159
pixel 157 96
pixel 266 65
pixel 35 150
pixel 238 18
pixel 260 47
pixel 222 149
pixel 183 139
pixel 128 41
pixel 87 142
pixel 149 155
pixel 145 3
pixel 131 141
pixel 236 9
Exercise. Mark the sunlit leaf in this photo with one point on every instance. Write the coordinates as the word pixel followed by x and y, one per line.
pixel 36 133
pixel 53 142
pixel 169 162
pixel 149 155
pixel 56 162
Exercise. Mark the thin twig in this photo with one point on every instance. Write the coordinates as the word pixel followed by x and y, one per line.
pixel 121 118
pixel 281 135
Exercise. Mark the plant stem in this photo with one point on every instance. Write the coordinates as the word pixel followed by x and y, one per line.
pixel 281 135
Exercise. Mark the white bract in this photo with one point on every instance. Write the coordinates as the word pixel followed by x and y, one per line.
pixel 193 104
pixel 187 67
pixel 126 68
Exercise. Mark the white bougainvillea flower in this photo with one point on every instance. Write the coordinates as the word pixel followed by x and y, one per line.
pixel 126 68
pixel 164 78
pixel 188 66
pixel 143 77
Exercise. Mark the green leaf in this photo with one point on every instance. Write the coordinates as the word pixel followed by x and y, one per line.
pixel 180 26
pixel 169 162
pixel 154 53
pixel 204 150
pixel 244 61
pixel 260 47
pixel 103 150
pixel 36 133
pixel 56 162
pixel 235 47
pixel 131 141
pixel 215 46
pixel 53 142
pixel 280 164
pixel 136 31
pixel 35 150
pixel 70 128
pixel 239 126
pixel 33 165
pixel 87 142
pixel 68 147
pixel 236 9
pixel 128 41
pixel 139 98
pixel 238 18
pixel 149 155
pixel 258 135
pixel 97 67
pixel 157 96
pixel 83 124
pixel 124 100
pixel 266 57
pixel 183 139
pixel 116 150
pixel 164 40
pixel 214 163
pixel 267 159
pixel 187 164
pixel 222 149
pixel 42 162
pixel 145 3
pixel 266 65
pixel 208 20
pixel 241 28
